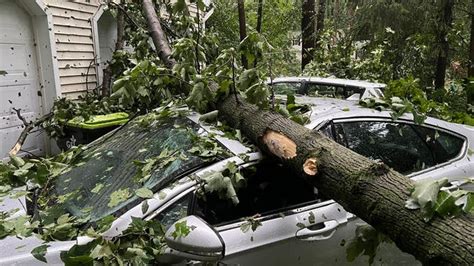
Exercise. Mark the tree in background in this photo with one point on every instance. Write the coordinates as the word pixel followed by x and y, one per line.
pixel 242 28
pixel 445 23
pixel 279 20
pixel 471 44
pixel 321 16
pixel 308 26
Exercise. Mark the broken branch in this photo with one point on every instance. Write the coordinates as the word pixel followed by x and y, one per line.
pixel 28 127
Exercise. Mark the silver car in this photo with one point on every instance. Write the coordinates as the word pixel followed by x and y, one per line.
pixel 298 227
pixel 327 87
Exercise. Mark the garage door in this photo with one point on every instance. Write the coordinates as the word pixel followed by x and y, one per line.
pixel 19 82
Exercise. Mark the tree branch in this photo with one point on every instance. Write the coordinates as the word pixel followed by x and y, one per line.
pixel 28 127
pixel 159 38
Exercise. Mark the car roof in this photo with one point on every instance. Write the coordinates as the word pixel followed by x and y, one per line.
pixel 333 81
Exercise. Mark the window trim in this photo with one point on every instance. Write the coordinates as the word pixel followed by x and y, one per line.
pixel 458 157
pixel 171 201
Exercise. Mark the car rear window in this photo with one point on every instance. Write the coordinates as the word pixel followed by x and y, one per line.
pixel 285 88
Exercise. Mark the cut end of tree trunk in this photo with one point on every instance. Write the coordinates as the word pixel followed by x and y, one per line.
pixel 279 145
pixel 310 166
pixel 15 149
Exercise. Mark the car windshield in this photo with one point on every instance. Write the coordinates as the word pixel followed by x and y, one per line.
pixel 114 169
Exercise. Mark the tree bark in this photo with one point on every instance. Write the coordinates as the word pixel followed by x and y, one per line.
pixel 307 32
pixel 242 28
pixel 320 23
pixel 446 21
pixel 370 190
pixel 471 45
pixel 157 34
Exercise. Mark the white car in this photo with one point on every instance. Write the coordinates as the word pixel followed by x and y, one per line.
pixel 298 227
pixel 327 87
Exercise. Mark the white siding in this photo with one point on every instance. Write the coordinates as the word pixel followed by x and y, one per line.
pixel 76 53
pixel 75 50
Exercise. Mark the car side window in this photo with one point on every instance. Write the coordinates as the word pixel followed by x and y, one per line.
pixel 406 148
pixel 443 145
pixel 174 212
pixel 287 87
pixel 270 188
pixel 397 145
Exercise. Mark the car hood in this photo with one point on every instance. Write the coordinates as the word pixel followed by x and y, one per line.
pixel 14 250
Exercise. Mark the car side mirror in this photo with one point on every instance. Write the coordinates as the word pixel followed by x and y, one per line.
pixel 202 243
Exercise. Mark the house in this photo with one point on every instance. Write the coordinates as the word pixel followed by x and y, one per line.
pixel 48 49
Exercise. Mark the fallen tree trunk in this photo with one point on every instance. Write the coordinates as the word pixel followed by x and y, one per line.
pixel 370 190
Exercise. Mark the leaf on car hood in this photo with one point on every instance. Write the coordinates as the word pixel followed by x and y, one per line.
pixel 39 252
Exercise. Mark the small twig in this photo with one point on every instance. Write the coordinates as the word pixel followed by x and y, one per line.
pixel 87 73
pixel 126 14
pixel 198 66
pixel 31 154
pixel 18 113
pixel 271 84
pixel 166 27
pixel 22 205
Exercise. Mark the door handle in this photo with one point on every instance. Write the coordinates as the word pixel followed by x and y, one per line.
pixel 327 231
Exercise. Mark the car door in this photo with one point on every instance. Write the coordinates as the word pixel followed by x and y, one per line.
pixel 295 226
pixel 285 210
pixel 289 212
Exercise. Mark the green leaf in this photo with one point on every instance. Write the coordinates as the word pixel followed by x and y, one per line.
pixel 181 229
pixel 467 202
pixel 145 206
pixel 161 195
pixel 118 196
pixel 445 204
pixel 144 193
pixel 17 161
pixel 97 188
pixel 39 253
pixel 200 97
pixel 424 196
pixel 311 218
pixel 365 242
pixel 301 225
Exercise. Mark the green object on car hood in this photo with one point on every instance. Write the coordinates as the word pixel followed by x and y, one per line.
pixel 99 121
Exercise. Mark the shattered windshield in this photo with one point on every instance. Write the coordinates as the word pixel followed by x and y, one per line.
pixel 132 158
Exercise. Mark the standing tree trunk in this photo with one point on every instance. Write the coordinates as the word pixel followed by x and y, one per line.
pixel 445 24
pixel 107 78
pixel 471 45
pixel 320 23
pixel 371 190
pixel 259 23
pixel 259 16
pixel 242 28
pixel 307 32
